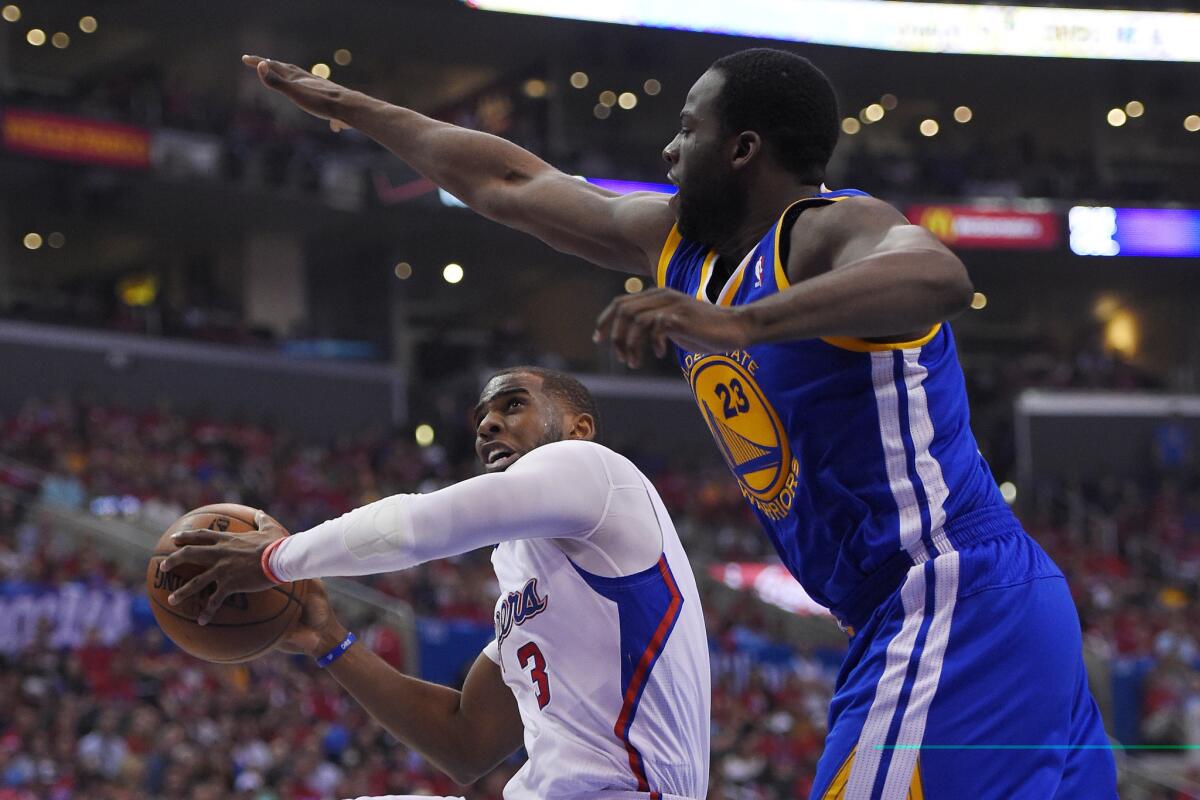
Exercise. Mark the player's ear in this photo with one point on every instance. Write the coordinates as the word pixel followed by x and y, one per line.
pixel 747 145
pixel 581 426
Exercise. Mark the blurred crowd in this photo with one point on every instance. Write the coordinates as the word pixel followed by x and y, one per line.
pixel 132 717
pixel 258 141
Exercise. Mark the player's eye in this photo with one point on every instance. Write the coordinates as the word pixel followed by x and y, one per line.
pixel 516 402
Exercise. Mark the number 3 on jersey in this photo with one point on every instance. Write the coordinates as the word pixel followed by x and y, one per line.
pixel 531 652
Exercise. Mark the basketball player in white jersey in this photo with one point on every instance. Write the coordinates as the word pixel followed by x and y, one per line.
pixel 600 637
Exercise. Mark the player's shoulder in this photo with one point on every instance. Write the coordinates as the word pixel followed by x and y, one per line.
pixel 822 231
pixel 845 216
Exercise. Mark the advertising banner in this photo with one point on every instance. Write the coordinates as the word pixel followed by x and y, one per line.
pixel 76 139
pixel 969 227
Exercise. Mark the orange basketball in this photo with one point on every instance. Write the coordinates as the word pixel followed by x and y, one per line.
pixel 246 625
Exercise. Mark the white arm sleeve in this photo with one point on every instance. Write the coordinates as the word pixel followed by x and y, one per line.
pixel 559 490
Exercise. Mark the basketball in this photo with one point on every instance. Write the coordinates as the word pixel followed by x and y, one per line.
pixel 247 624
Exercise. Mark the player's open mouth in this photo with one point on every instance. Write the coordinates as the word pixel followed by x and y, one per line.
pixel 499 457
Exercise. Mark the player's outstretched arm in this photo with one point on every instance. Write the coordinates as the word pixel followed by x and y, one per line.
pixel 465 734
pixel 493 176
pixel 527 501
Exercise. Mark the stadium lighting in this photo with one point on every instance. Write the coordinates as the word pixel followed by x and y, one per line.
pixel 1121 333
pixel 403 270
pixel 424 434
pixel 963 114
pixel 999 30
pixel 651 87
pixel 60 40
pixel 342 57
pixel 851 126
pixel 634 285
pixel 1135 108
pixel 1116 117
pixel 874 112
pixel 535 88
pixel 1008 490
pixel 32 241
pixel 929 127
pixel 88 24
pixel 889 102
pixel 601 111
pixel 36 37
pixel 579 80
pixel 56 240
pixel 1191 123
pixel 608 98
pixel 627 100
pixel 452 273
pixel 979 301
pixel 321 70
pixel 11 13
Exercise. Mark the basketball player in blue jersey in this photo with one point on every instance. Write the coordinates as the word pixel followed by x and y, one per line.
pixel 811 328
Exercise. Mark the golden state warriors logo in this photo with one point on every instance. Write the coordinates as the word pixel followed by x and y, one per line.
pixel 746 429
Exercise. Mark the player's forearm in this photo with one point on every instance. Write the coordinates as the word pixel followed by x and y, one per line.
pixel 424 716
pixel 475 167
pixel 401 531
pixel 881 295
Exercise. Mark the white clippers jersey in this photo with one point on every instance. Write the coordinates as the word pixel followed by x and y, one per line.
pixel 611 674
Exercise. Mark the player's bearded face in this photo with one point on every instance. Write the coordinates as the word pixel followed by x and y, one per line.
pixel 514 417
pixel 711 201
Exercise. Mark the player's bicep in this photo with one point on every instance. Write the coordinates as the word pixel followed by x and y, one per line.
pixel 490 715
pixel 618 232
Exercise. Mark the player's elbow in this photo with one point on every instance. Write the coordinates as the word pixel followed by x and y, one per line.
pixel 470 766
pixel 464 774
pixel 952 287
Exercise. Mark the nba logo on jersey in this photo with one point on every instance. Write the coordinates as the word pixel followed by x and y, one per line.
pixel 758 265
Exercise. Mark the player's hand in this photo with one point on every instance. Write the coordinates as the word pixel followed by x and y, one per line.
pixel 233 561
pixel 318 630
pixel 658 315
pixel 317 96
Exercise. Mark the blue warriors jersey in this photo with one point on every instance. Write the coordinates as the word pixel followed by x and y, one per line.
pixel 856 456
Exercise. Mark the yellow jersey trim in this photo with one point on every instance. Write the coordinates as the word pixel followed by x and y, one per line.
pixel 706 271
pixel 781 278
pixel 837 787
pixel 916 789
pixel 668 252
pixel 735 281
pixel 867 346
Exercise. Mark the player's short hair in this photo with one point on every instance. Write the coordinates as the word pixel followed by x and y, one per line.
pixel 786 100
pixel 563 388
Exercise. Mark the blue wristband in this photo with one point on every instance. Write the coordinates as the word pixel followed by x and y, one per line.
pixel 337 652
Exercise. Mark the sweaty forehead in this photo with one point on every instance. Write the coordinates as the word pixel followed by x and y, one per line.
pixel 504 384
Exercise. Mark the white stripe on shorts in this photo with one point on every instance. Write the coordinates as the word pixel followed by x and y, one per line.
pixel 887 691
pixel 929 672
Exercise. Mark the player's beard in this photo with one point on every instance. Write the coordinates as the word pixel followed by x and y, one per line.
pixel 711 213
pixel 552 433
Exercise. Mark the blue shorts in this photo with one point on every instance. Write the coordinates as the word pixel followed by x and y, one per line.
pixel 968 683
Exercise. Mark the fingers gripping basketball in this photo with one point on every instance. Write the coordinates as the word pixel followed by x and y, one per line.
pixel 247 624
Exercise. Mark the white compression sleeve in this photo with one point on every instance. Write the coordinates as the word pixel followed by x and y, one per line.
pixel 559 490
